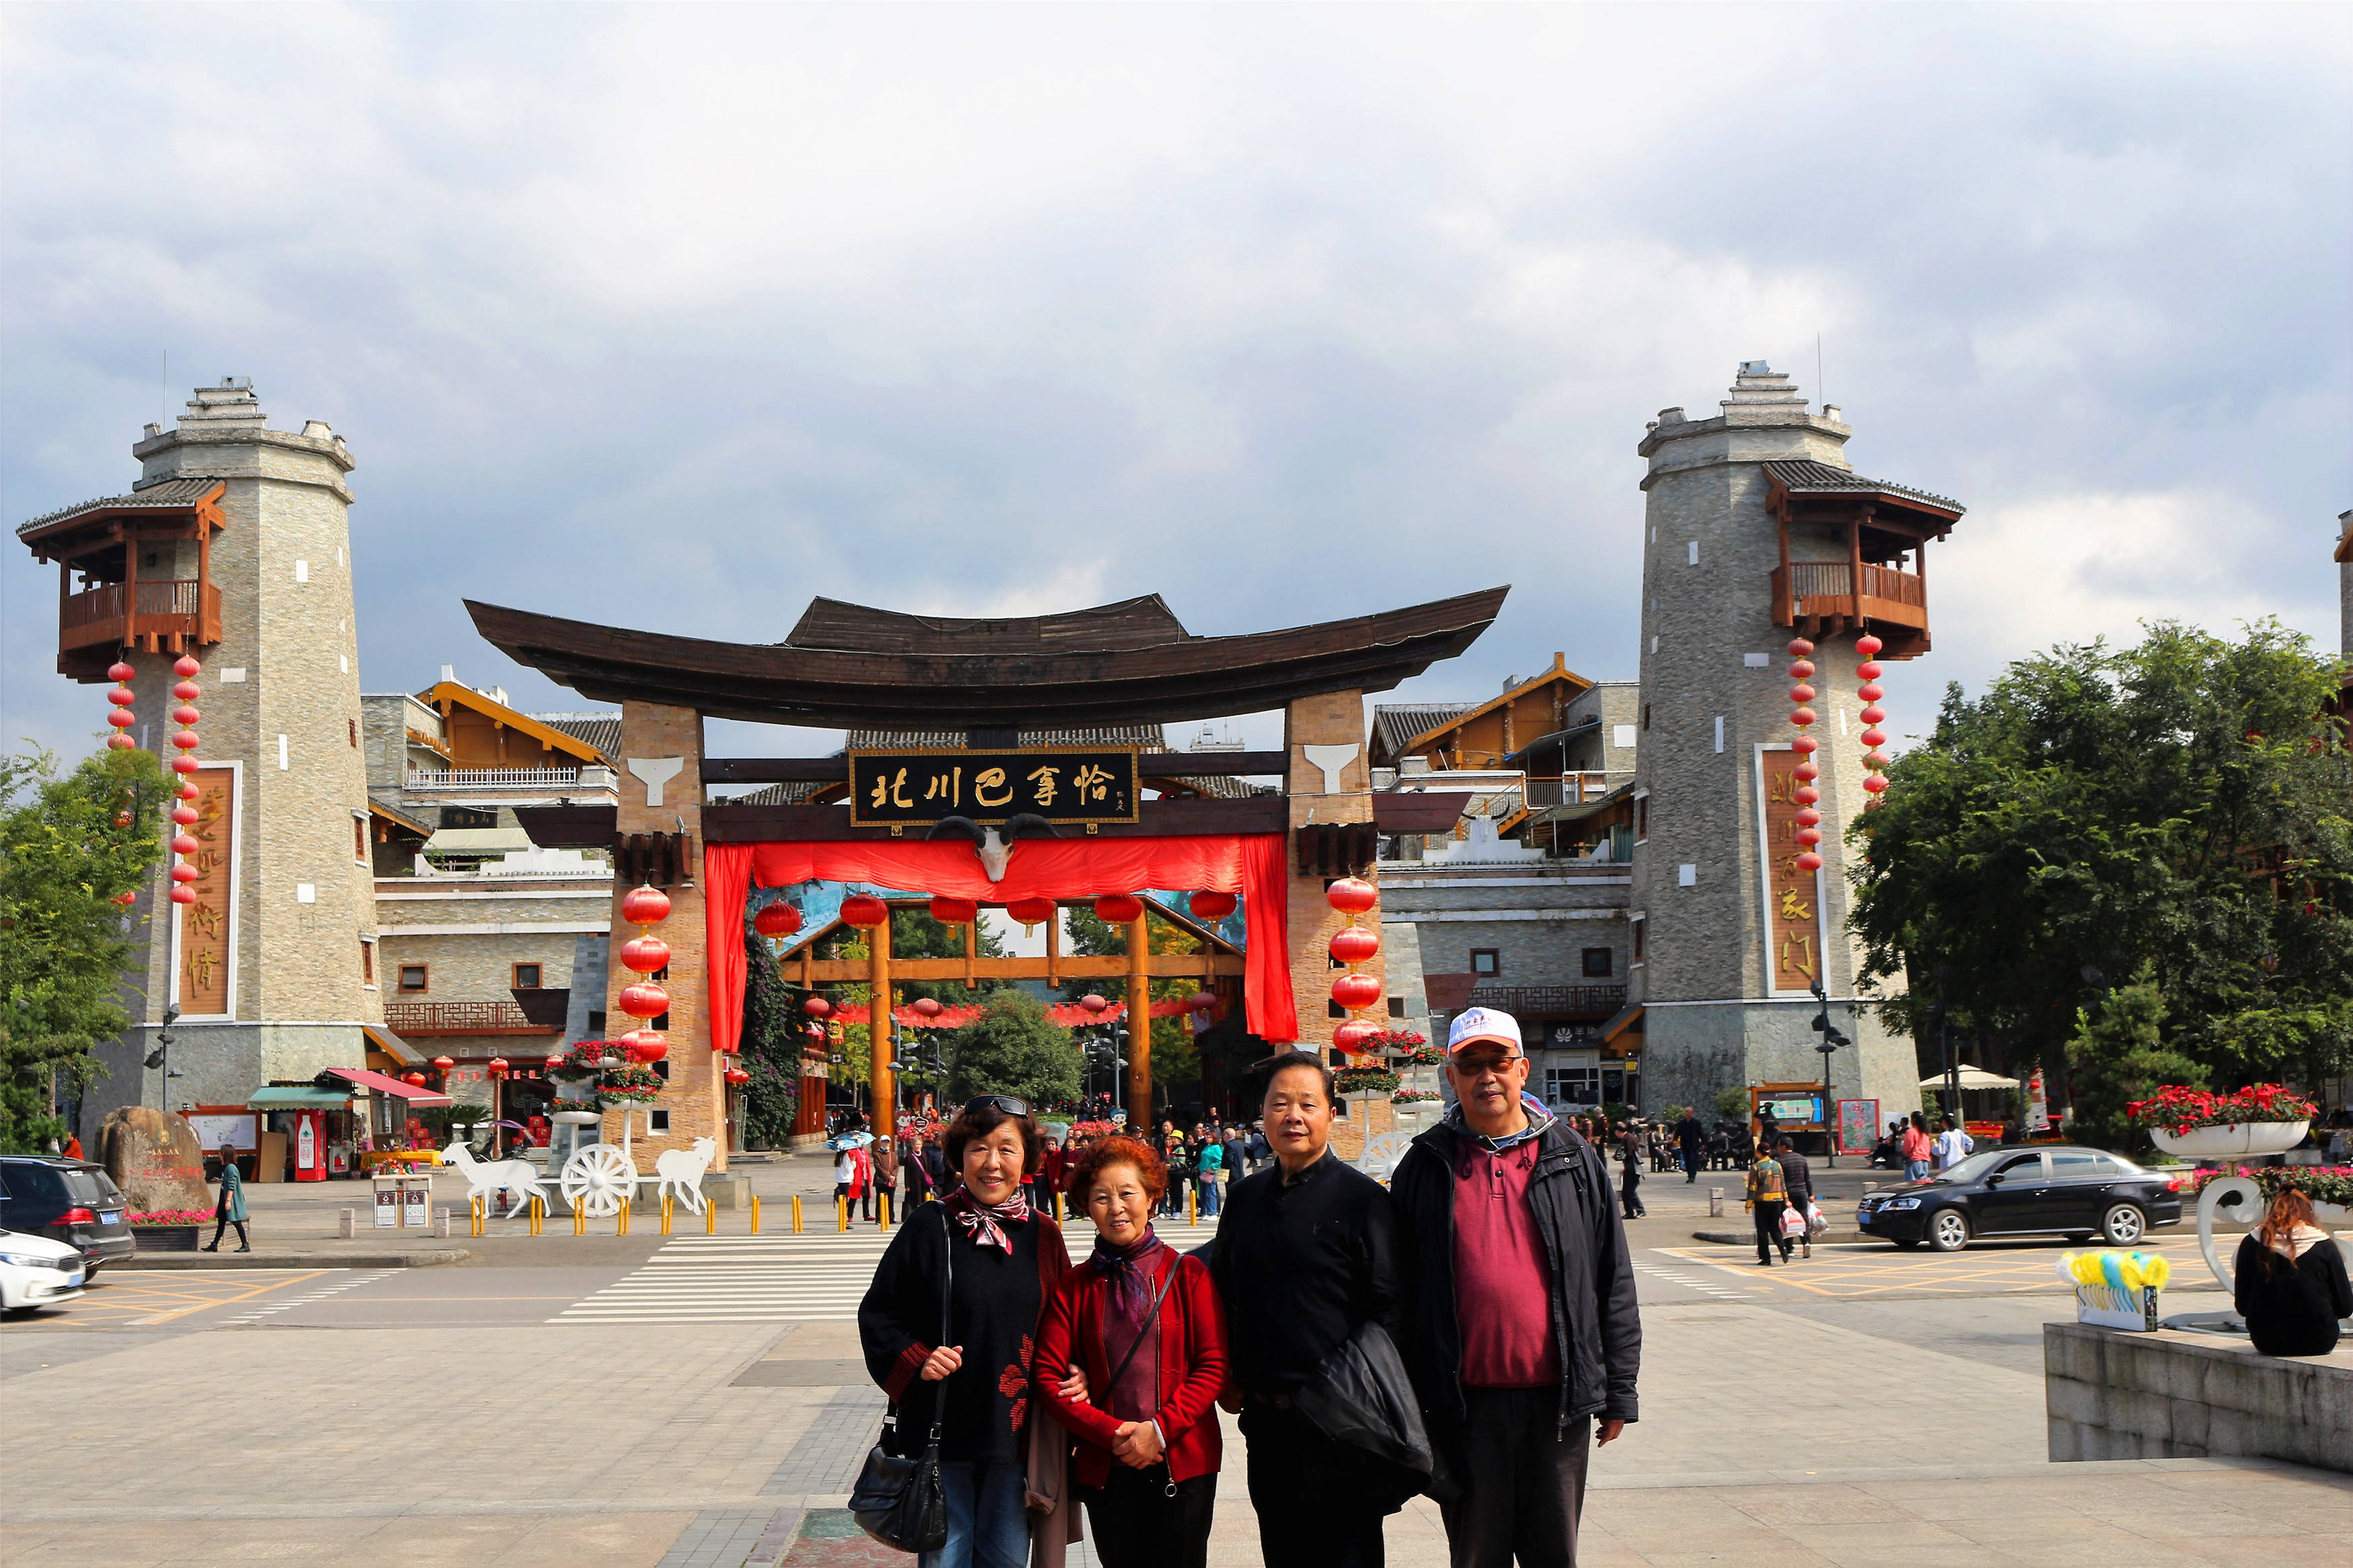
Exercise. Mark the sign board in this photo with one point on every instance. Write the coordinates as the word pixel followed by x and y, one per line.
pixel 1796 929
pixel 233 1127
pixel 204 932
pixel 417 1198
pixel 1792 1110
pixel 905 788
pixel 1858 1126
pixel 387 1206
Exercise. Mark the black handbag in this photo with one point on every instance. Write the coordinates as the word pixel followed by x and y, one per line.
pixel 898 1499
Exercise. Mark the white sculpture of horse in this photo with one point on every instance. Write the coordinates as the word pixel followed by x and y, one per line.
pixel 485 1178
pixel 680 1171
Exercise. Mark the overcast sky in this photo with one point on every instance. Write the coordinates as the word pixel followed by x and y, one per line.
pixel 674 317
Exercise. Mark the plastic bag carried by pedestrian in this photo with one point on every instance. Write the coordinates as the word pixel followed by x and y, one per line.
pixel 1816 1221
pixel 1793 1223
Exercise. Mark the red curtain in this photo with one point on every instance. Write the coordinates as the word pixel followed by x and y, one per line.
pixel 1249 864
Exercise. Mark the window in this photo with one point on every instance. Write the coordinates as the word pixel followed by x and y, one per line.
pixel 1639 925
pixel 1596 963
pixel 367 963
pixel 2026 1168
pixel 412 978
pixel 1646 715
pixel 1486 960
pixel 526 976
pixel 1334 1010
pixel 657 1122
pixel 1396 1006
pixel 359 839
pixel 355 734
pixel 1641 817
pixel 596 1025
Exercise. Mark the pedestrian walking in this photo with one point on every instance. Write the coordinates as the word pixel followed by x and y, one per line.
pixel 1688 1135
pixel 1797 1180
pixel 1231 1156
pixel 1052 1177
pixel 230 1209
pixel 916 1172
pixel 1306 1254
pixel 885 1155
pixel 1207 1174
pixel 996 1259
pixel 861 1178
pixel 1915 1149
pixel 1952 1144
pixel 1142 1327
pixel 1768 1197
pixel 1630 1176
pixel 1525 1324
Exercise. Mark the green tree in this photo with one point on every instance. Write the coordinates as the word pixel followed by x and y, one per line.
pixel 1176 1057
pixel 2118 1056
pixel 1013 1048
pixel 1732 1105
pixel 70 846
pixel 2184 805
pixel 771 1050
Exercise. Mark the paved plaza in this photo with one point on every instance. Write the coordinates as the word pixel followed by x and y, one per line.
pixel 697 1402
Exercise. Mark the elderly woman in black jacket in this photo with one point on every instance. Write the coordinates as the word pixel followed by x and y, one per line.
pixel 2290 1284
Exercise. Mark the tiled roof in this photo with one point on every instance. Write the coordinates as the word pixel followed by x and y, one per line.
pixel 776 794
pixel 1394 724
pixel 1805 476
pixel 1147 737
pixel 602 731
pixel 164 495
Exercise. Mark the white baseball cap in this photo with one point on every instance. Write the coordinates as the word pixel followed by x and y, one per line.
pixel 1475 1026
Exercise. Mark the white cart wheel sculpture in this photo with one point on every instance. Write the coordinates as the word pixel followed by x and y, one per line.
pixel 598 1180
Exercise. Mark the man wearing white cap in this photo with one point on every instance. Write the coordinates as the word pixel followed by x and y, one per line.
pixel 1524 1325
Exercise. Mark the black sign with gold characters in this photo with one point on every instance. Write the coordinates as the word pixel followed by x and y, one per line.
pixel 1062 784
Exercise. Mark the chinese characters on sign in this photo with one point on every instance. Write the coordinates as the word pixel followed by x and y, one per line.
pixel 203 953
pixel 915 789
pixel 1793 921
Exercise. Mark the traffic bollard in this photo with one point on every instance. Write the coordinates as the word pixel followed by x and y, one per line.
pixel 1192 1204
pixel 710 1217
pixel 622 1219
pixel 666 1202
pixel 538 1212
pixel 347 1226
pixel 755 1214
pixel 1716 1203
pixel 473 1216
pixel 579 1220
pixel 841 1214
pixel 796 1213
pixel 882 1212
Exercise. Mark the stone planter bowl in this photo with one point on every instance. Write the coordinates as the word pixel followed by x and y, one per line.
pixel 2232 1140
pixel 575 1118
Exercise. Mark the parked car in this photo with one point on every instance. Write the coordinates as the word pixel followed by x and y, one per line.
pixel 2076 1193
pixel 37 1272
pixel 71 1201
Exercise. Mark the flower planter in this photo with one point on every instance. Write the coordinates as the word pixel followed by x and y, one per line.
pixel 575 1118
pixel 165 1237
pixel 2232 1140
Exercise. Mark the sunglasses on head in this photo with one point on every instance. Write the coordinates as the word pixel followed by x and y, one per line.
pixel 1004 1103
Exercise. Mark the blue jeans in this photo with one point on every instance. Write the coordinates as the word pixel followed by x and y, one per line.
pixel 1916 1169
pixel 1209 1184
pixel 988 1525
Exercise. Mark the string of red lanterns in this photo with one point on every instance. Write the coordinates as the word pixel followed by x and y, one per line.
pixel 646 954
pixel 1874 715
pixel 183 816
pixel 1807 795
pixel 1351 945
pixel 119 714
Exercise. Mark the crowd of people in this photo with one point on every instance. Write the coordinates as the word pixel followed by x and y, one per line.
pixel 1472 1328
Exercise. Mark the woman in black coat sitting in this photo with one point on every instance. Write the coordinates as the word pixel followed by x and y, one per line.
pixel 2291 1286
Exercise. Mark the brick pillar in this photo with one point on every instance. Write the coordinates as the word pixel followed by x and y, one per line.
pixel 1335 718
pixel 697 1096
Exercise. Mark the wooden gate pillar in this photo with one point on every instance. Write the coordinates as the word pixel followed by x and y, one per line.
pixel 883 1074
pixel 1139 1025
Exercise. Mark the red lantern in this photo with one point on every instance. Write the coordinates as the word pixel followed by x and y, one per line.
pixel 417 1078
pixel 1092 1002
pixel 644 1000
pixel 1119 909
pixel 185 740
pixel 864 910
pixel 186 668
pixel 1871 691
pixel 1213 906
pixel 443 1063
pixel 1799 647
pixel 181 843
pixel 1809 837
pixel 1354 991
pixel 645 1046
pixel 498 1066
pixel 1867 645
pixel 126 898
pixel 645 906
pixel 1802 669
pixel 187 691
pixel 1801 693
pixel 1353 1036
pixel 737 1076
pixel 1872 713
pixel 1809 818
pixel 1804 743
pixel 955 912
pixel 1352 895
pixel 120 671
pixel 185 714
pixel 1875 737
pixel 817 1007
pixel 1202 1001
pixel 1805 794
pixel 1354 945
pixel 122 718
pixel 183 872
pixel 555 1058
pixel 1874 784
pixel 925 1006
pixel 645 955
pixel 1802 717
pixel 777 920
pixel 121 697
pixel 180 764
pixel 1809 861
pixel 1806 772
pixel 183 895
pixel 185 816
pixel 1031 912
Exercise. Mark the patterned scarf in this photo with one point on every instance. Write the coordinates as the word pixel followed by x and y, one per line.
pixel 1124 1272
pixel 1538 1120
pixel 980 1220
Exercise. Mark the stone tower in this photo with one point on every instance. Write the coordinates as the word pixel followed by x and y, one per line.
pixel 1757 531
pixel 273 969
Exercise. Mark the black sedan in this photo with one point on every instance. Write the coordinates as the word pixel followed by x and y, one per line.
pixel 2075 1192
pixel 72 1201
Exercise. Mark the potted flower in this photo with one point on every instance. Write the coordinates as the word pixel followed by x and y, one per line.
pixel 2264 1119
pixel 167 1230
pixel 1367 1080
pixel 1413 1096
pixel 628 1084
pixel 2330 1187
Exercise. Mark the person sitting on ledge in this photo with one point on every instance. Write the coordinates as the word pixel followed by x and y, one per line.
pixel 2291 1282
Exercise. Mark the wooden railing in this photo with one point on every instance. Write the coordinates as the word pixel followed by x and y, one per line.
pixel 1827 588
pixel 167 607
pixel 478 778
pixel 460 1018
pixel 1572 789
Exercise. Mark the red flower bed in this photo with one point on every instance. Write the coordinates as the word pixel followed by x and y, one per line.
pixel 2178 1108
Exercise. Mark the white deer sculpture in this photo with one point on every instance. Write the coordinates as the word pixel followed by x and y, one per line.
pixel 680 1171
pixel 486 1178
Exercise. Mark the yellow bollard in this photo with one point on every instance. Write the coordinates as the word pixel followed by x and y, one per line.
pixel 621 1220
pixel 756 1214
pixel 666 1202
pixel 883 1213
pixel 841 1214
pixel 473 1216
pixel 579 1221
pixel 710 1217
pixel 796 1213
pixel 538 1212
pixel 1192 1200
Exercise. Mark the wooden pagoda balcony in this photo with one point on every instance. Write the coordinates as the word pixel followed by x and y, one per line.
pixel 171 616
pixel 423 1018
pixel 1824 591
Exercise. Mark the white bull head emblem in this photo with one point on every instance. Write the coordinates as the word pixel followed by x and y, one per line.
pixel 994 847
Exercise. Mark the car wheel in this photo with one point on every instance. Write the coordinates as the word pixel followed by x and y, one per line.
pixel 2123 1224
pixel 1948 1230
pixel 1904 1242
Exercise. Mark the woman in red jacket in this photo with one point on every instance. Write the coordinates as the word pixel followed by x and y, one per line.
pixel 1145 1327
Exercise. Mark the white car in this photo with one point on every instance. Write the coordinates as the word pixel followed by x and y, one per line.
pixel 37 1272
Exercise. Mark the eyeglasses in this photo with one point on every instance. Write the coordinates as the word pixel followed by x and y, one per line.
pixel 1004 1103
pixel 1475 1067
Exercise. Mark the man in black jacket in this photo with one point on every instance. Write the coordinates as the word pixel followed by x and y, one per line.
pixel 1306 1254
pixel 1507 1214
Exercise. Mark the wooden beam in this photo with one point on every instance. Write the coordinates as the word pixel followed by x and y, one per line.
pixel 1139 1024
pixel 830 823
pixel 814 971
pixel 836 770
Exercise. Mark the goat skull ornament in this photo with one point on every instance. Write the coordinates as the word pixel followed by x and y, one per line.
pixel 994 847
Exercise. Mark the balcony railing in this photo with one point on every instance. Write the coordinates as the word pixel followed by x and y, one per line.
pixel 1571 789
pixel 460 1018
pixel 493 778
pixel 1826 588
pixel 167 607
pixel 1567 1002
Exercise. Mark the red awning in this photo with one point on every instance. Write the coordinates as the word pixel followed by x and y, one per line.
pixel 366 1078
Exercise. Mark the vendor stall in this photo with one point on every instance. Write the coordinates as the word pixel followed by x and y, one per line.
pixel 1985 1099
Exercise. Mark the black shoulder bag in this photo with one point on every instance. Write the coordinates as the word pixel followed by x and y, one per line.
pixel 898 1501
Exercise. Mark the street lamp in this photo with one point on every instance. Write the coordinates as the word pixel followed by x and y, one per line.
pixel 1831 1041
pixel 160 1057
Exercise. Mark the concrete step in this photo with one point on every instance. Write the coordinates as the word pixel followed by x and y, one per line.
pixel 422 1258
